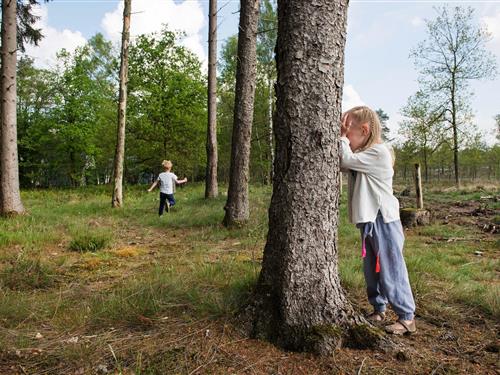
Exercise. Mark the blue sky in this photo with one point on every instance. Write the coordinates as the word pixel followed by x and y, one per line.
pixel 381 34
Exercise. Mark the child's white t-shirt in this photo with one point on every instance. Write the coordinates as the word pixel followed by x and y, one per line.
pixel 370 188
pixel 167 181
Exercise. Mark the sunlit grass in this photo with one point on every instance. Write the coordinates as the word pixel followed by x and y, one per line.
pixel 140 266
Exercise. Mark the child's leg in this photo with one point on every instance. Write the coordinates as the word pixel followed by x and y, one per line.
pixel 375 297
pixel 394 281
pixel 171 199
pixel 163 199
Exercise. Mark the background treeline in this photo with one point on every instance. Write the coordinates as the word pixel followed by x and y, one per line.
pixel 67 116
pixel 477 161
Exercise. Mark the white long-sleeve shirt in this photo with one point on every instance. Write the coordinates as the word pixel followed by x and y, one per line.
pixel 369 183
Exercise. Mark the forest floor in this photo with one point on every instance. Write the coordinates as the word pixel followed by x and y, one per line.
pixel 86 289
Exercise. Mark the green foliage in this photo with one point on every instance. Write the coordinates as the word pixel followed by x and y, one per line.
pixel 85 98
pixel 66 116
pixel 167 106
pixel 26 21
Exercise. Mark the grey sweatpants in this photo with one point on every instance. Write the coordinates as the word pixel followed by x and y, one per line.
pixel 388 280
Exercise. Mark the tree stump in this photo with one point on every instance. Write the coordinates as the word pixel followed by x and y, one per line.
pixel 412 217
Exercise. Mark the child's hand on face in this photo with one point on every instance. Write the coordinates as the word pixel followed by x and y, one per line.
pixel 346 123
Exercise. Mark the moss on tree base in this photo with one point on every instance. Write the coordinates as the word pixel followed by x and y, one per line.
pixel 364 336
pixel 323 339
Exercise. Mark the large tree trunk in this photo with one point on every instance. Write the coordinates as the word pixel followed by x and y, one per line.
pixel 237 211
pixel 117 200
pixel 11 203
pixel 299 302
pixel 211 186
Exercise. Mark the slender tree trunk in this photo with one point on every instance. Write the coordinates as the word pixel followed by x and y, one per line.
pixel 270 127
pixel 455 130
pixel 299 302
pixel 11 203
pixel 262 165
pixel 426 166
pixel 117 200
pixel 237 211
pixel 211 186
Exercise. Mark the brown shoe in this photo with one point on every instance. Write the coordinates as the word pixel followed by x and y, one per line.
pixel 402 327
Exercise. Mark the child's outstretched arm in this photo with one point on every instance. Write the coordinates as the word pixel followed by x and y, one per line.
pixel 183 181
pixel 153 186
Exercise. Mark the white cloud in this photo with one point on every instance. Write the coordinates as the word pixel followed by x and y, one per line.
pixel 350 98
pixel 150 15
pixel 417 21
pixel 54 40
pixel 493 25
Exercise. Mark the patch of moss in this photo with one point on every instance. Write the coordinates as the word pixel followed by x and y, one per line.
pixel 409 209
pixel 323 338
pixel 327 330
pixel 363 336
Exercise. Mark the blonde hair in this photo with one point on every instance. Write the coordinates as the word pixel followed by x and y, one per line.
pixel 362 114
pixel 166 164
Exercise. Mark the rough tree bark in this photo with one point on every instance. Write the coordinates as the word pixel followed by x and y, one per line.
pixel 237 211
pixel 211 186
pixel 11 203
pixel 299 303
pixel 117 200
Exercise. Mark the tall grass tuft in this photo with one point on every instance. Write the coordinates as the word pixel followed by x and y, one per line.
pixel 27 274
pixel 89 242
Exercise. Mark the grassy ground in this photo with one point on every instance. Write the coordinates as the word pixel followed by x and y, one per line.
pixel 89 289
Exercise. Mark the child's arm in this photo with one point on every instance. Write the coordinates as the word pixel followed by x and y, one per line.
pixel 183 181
pixel 153 186
pixel 364 161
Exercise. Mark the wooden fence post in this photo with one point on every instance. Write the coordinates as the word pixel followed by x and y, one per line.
pixel 418 187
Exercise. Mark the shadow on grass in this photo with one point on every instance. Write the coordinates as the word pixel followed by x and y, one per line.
pixel 201 290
